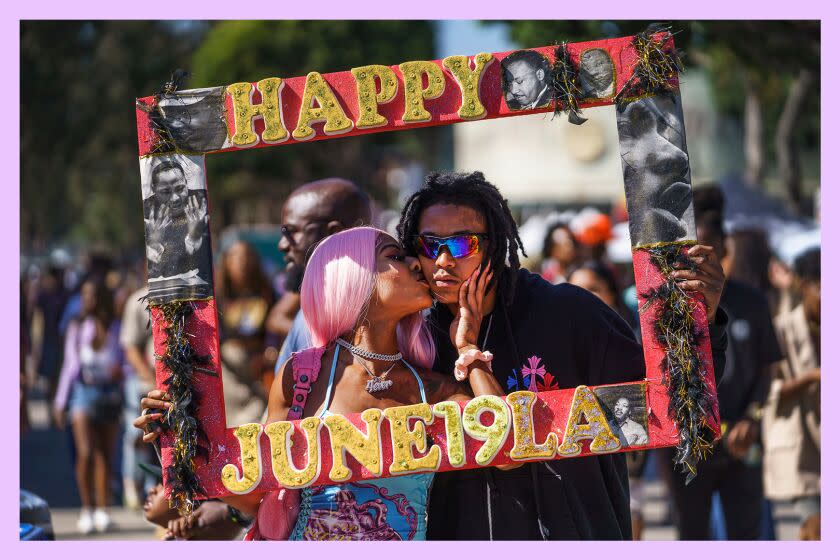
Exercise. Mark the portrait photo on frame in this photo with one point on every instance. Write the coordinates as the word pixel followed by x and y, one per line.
pixel 177 232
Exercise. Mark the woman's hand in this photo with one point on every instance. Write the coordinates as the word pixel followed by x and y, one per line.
pixel 154 400
pixel 465 326
pixel 707 277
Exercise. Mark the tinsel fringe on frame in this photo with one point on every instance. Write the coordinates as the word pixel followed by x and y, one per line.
pixel 181 361
pixel 691 404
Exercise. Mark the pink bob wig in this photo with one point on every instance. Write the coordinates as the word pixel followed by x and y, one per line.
pixel 338 284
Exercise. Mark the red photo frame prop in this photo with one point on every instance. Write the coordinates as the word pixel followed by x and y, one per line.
pixel 487 430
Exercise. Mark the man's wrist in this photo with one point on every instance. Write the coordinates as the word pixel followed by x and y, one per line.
pixel 237 517
pixel 466 361
pixel 466 348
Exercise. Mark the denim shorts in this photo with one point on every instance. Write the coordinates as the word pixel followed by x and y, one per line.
pixel 102 402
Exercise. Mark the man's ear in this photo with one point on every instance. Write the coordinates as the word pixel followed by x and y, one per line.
pixel 541 74
pixel 334 227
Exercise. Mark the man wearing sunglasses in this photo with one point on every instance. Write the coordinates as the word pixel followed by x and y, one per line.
pixel 312 212
pixel 458 222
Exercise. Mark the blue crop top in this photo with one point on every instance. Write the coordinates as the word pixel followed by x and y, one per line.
pixel 385 509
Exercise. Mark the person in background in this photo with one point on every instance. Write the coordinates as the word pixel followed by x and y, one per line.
pixel 96 266
pixel 282 315
pixel 90 386
pixel 781 279
pixel 749 259
pixel 734 468
pixel 120 293
pixel 312 212
pixel 49 302
pixel 244 297
pixel 138 348
pixel 24 352
pixel 595 277
pixel 791 427
pixel 559 253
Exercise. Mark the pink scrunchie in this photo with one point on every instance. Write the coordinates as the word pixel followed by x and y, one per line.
pixel 467 358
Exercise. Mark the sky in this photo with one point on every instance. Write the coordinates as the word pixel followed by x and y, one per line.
pixel 469 37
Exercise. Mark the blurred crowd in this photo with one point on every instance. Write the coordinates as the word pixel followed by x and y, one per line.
pixel 86 348
pixel 769 392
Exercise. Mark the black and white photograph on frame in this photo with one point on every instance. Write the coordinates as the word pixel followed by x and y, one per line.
pixel 176 222
pixel 526 80
pixel 657 179
pixel 597 74
pixel 192 120
pixel 626 410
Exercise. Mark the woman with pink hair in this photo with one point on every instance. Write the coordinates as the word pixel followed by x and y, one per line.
pixel 362 298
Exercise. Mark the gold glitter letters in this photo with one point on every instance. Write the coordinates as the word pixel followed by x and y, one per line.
pixel 495 434
pixel 369 98
pixel 415 93
pixel 329 110
pixel 596 427
pixel 244 112
pixel 346 438
pixel 280 435
pixel 249 443
pixel 455 449
pixel 524 447
pixel 469 80
pixel 404 440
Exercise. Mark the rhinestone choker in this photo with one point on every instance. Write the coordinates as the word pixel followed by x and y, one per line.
pixel 369 355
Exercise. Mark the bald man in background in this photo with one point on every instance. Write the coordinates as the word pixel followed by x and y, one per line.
pixel 312 212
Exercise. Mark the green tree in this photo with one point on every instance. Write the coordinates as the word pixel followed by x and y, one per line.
pixel 765 73
pixel 80 179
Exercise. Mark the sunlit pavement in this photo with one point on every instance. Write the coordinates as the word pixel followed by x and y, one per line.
pixel 129 526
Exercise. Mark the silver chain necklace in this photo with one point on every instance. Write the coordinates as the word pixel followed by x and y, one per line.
pixel 355 350
pixel 377 383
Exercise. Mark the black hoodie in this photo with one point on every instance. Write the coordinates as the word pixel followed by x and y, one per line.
pixel 580 341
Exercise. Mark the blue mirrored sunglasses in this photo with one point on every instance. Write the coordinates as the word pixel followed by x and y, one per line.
pixel 459 246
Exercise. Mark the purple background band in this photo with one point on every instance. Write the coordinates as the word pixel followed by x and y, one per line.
pixel 648 10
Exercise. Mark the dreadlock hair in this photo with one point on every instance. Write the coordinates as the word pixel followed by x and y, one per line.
pixel 474 191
